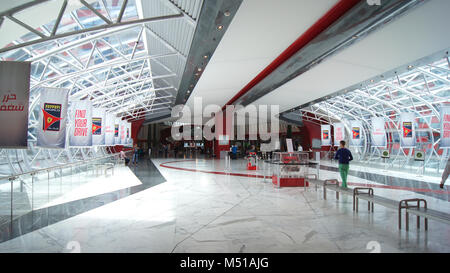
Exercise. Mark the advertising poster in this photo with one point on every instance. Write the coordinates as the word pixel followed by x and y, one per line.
pixel 378 132
pixel 109 129
pixel 407 138
pixel 51 132
pixel 98 126
pixel 122 131
pixel 81 124
pixel 356 139
pixel 290 147
pixel 14 101
pixel 339 133
pixel 326 135
pixel 129 139
pixel 445 127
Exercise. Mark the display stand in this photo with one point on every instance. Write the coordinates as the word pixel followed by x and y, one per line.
pixel 290 169
pixel 252 161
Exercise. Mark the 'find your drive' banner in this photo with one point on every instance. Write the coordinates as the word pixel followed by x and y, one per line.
pixel 445 127
pixel 81 123
pixel 109 129
pixel 339 133
pixel 14 101
pixel 51 132
pixel 378 132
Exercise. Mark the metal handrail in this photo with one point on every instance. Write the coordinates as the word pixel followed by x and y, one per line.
pixel 13 177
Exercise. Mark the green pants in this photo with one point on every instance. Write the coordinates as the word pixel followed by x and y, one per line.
pixel 343 169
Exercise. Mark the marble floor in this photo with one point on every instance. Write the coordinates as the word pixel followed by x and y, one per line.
pixel 195 211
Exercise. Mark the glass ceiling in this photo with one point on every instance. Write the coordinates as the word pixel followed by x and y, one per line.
pixel 104 52
pixel 421 90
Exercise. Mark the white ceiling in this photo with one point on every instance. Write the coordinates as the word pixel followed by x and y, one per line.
pixel 419 33
pixel 260 31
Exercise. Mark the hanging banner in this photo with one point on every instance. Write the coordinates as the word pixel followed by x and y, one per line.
pixel 81 123
pixel 51 132
pixel 378 132
pixel 356 139
pixel 116 131
pixel 122 132
pixel 339 133
pixel 326 135
pixel 408 135
pixel 129 139
pixel 109 129
pixel 98 126
pixel 14 101
pixel 445 127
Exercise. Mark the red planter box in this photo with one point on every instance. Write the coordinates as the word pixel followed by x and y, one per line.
pixel 290 182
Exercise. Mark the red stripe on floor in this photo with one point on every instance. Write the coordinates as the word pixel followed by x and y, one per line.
pixel 262 176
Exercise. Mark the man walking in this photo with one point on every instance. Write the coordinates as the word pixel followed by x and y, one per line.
pixel 135 154
pixel 344 156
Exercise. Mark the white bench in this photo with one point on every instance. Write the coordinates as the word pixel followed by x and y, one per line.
pixel 367 194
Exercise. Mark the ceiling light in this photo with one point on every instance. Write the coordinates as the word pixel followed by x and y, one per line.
pixel 219 27
pixel 199 69
pixel 206 56
pixel 410 66
pixel 227 13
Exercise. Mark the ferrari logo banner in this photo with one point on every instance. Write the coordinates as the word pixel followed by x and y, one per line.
pixel 130 140
pixel 356 139
pixel 408 138
pixel 14 101
pixel 98 124
pixel 51 132
pixel 326 136
pixel 116 131
pixel 122 131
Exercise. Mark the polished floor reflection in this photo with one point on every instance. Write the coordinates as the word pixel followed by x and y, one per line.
pixel 78 192
pixel 216 212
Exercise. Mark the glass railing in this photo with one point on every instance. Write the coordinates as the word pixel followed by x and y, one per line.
pixel 36 190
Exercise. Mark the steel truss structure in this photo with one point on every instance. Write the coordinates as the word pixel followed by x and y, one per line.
pixel 420 90
pixel 127 56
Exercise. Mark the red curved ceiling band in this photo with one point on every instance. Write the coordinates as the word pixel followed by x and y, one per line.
pixel 323 23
